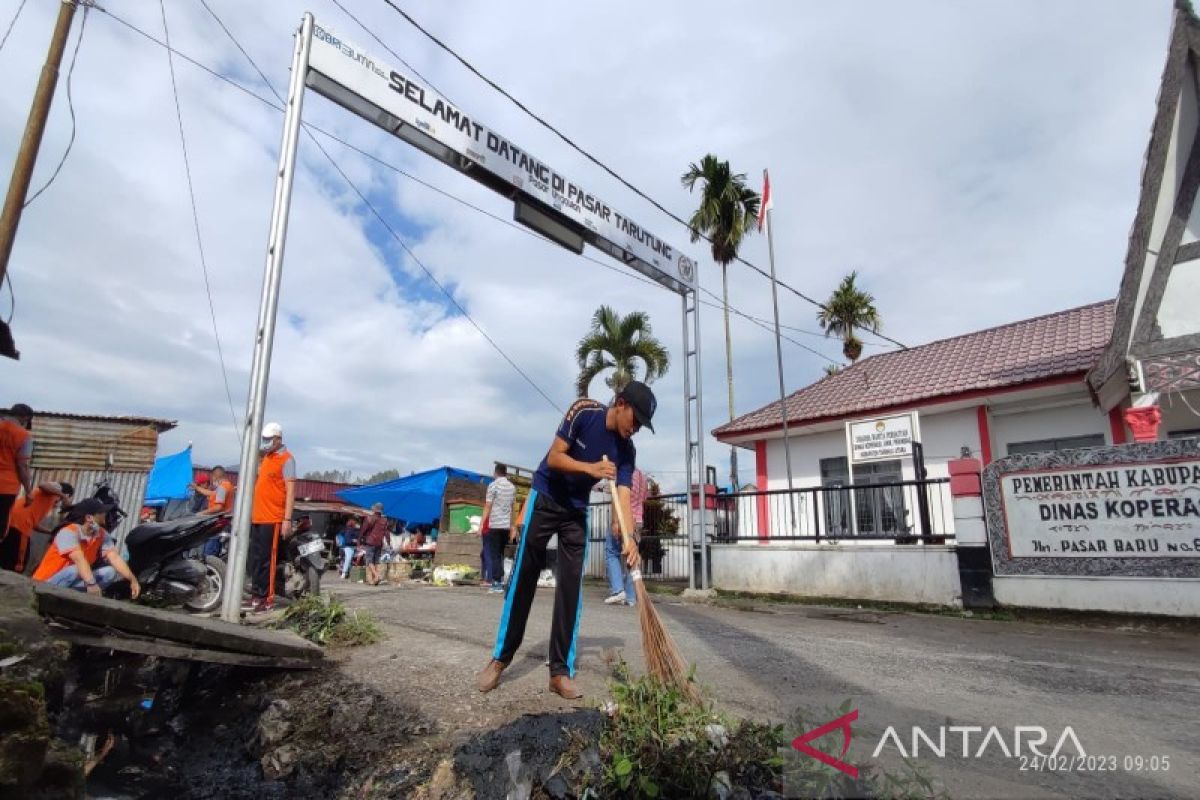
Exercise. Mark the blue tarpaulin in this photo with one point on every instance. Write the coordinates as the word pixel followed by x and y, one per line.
pixel 169 478
pixel 416 499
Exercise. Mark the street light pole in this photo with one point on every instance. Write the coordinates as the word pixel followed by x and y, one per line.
pixel 264 337
pixel 31 142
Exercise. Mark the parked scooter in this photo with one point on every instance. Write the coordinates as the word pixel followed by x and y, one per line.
pixel 300 561
pixel 303 560
pixel 163 555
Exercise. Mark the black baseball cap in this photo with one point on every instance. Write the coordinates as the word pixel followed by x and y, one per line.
pixel 641 399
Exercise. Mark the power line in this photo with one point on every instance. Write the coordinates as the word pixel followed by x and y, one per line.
pixel 70 109
pixel 597 161
pixel 399 240
pixel 196 221
pixel 12 24
pixel 392 167
pixel 384 45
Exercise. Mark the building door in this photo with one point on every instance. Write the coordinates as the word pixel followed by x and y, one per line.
pixel 878 506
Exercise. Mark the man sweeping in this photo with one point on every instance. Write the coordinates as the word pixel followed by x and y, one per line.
pixel 593 443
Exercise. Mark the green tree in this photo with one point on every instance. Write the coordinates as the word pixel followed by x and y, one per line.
pixel 728 212
pixel 846 309
pixel 331 475
pixel 380 477
pixel 619 343
pixel 832 369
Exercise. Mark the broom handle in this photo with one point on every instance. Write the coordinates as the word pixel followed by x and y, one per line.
pixel 622 523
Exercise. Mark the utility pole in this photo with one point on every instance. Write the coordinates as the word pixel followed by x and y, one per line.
pixel 733 470
pixel 787 442
pixel 31 141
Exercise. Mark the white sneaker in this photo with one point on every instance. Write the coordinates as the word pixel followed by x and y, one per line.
pixel 615 599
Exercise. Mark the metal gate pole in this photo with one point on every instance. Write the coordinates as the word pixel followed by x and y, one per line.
pixel 264 337
pixel 687 445
pixel 698 380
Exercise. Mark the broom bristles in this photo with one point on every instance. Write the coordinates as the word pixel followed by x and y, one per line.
pixel 663 661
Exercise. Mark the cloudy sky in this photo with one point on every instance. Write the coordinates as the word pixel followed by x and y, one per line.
pixel 976 164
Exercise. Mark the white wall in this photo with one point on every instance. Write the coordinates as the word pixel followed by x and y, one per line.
pixel 1176 416
pixel 1177 597
pixel 943 434
pixel 887 572
pixel 1078 419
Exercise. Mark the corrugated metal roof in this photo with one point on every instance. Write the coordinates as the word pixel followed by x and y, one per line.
pixel 67 441
pixel 323 491
pixel 129 487
pixel 160 425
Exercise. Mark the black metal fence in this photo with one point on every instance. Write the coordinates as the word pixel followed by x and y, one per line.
pixel 902 512
pixel 663 543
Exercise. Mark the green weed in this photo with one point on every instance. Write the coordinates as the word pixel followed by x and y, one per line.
pixel 325 620
pixel 660 744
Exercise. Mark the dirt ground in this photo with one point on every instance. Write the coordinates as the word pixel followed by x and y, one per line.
pixel 1125 689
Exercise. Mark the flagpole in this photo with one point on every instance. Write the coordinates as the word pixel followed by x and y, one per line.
pixel 787 443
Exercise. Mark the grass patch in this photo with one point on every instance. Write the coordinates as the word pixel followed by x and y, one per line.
pixel 655 587
pixel 660 744
pixel 325 620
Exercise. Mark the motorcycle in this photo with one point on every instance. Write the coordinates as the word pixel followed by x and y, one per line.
pixel 299 572
pixel 165 557
pixel 300 561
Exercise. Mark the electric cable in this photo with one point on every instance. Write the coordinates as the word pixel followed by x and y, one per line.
pixel 399 240
pixel 384 45
pixel 279 107
pixel 311 127
pixel 11 25
pixel 70 109
pixel 597 161
pixel 196 223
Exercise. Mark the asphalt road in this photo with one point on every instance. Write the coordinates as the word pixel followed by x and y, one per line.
pixel 1130 695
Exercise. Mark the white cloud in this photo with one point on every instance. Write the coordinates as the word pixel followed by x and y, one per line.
pixel 976 165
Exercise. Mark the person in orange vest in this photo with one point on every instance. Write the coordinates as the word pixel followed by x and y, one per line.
pixel 16 448
pixel 219 491
pixel 24 518
pixel 271 516
pixel 78 546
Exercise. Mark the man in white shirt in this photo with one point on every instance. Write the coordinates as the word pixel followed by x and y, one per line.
pixel 498 512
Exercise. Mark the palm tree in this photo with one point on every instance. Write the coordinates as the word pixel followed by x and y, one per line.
pixel 618 343
pixel 846 309
pixel 728 212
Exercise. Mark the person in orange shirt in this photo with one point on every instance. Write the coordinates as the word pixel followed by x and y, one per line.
pixel 219 491
pixel 78 546
pixel 24 518
pixel 271 515
pixel 16 448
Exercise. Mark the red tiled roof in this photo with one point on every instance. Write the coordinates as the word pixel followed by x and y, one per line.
pixel 1055 345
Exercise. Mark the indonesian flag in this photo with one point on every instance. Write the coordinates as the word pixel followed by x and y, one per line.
pixel 765 205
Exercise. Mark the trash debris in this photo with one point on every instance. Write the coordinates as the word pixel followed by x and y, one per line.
pixel 454 574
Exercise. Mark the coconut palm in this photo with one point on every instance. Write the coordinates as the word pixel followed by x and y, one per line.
pixel 619 343
pixel 728 212
pixel 846 309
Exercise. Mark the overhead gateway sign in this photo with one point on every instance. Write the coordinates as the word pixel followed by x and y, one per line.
pixel 545 199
